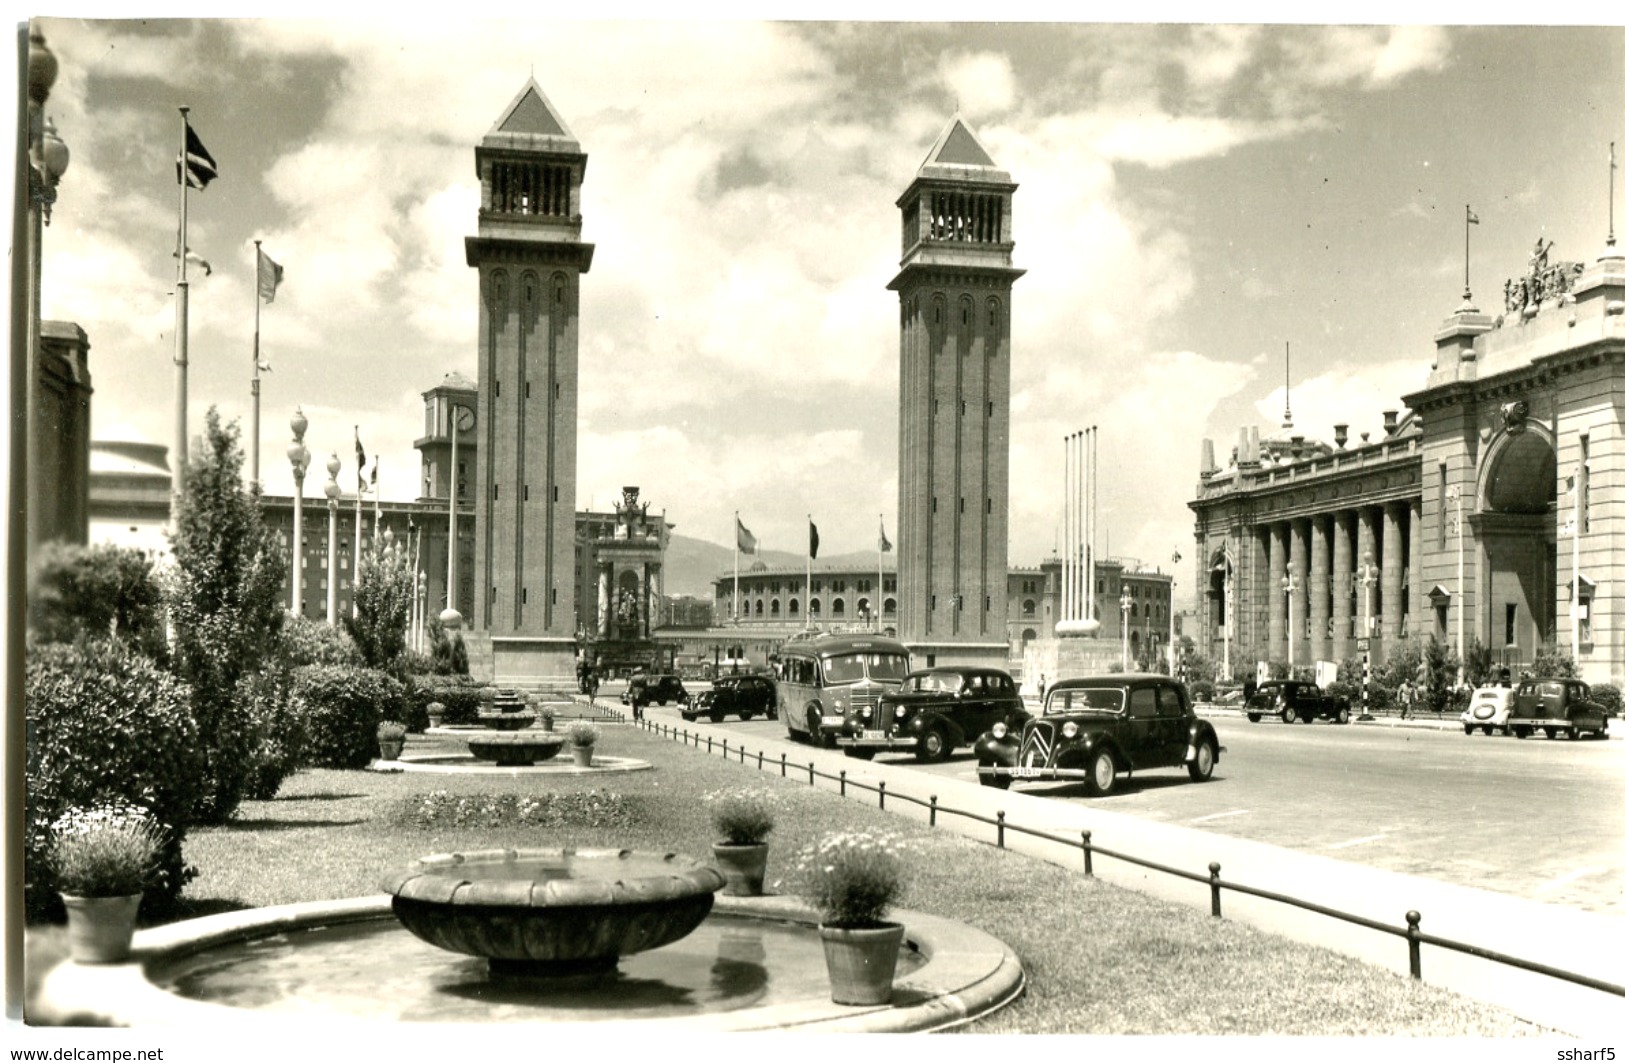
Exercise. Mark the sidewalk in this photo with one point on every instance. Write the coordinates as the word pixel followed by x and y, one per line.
pixel 1579 942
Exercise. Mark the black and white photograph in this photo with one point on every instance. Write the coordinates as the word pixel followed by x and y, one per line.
pixel 635 527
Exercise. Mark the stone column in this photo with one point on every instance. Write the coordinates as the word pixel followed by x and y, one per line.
pixel 1367 541
pixel 1342 530
pixel 1320 586
pixel 1276 646
pixel 648 627
pixel 605 578
pixel 1413 559
pixel 1298 608
pixel 1393 573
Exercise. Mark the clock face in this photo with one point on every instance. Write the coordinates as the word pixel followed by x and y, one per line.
pixel 465 418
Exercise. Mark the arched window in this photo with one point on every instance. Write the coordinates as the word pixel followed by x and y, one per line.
pixel 758 607
pixel 773 608
pixel 813 608
pixel 838 607
pixel 795 606
pixel 1029 608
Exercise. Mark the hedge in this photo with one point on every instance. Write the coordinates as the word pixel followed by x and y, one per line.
pixel 341 708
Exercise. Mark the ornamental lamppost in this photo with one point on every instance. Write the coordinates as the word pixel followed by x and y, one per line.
pixel 332 492
pixel 47 162
pixel 1289 584
pixel 1369 574
pixel 299 458
pixel 1453 496
pixel 462 420
pixel 1229 610
pixel 1126 602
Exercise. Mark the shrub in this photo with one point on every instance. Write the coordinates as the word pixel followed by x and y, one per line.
pixel 852 880
pixel 582 733
pixel 107 850
pixel 225 601
pixel 306 641
pixel 1202 690
pixel 459 698
pixel 741 816
pixel 1607 695
pixel 77 592
pixel 593 809
pixel 105 724
pixel 280 735
pixel 391 731
pixel 383 601
pixel 342 708
pixel 1553 662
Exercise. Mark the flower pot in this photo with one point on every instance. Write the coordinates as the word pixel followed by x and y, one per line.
pixel 435 720
pixel 862 961
pixel 390 748
pixel 544 722
pixel 100 928
pixel 744 866
pixel 583 755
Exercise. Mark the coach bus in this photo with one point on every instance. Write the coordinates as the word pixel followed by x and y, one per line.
pixel 821 679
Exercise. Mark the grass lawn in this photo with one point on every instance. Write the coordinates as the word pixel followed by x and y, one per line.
pixel 1099 959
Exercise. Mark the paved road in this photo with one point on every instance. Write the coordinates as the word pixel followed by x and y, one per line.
pixel 1538 819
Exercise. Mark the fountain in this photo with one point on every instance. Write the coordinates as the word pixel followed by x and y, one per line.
pixel 510 749
pixel 552 912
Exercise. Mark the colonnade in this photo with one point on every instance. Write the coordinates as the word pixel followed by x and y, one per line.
pixel 1355 573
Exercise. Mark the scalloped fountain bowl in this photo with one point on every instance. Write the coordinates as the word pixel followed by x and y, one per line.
pixel 552 912
pixel 511 749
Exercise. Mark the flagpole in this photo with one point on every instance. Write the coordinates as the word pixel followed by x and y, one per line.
pixel 736 567
pixel 254 387
pixel 1467 256
pixel 806 591
pixel 377 500
pixel 355 573
pixel 880 573
pixel 178 457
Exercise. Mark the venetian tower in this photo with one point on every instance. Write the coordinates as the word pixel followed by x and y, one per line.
pixel 954 403
pixel 530 258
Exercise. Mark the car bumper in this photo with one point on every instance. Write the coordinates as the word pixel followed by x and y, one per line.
pixel 875 740
pixel 1019 772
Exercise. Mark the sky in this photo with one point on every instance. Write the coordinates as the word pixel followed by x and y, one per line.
pixel 1193 199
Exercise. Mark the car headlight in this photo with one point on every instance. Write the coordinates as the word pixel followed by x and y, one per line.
pixel 1000 730
pixel 1069 730
pixel 866 712
pixel 902 710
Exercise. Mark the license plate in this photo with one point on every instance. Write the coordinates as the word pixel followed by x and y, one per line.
pixel 875 734
pixel 1026 773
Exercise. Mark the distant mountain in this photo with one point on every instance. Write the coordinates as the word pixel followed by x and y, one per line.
pixel 692 564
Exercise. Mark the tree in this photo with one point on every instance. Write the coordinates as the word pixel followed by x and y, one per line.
pixel 448 652
pixel 224 595
pixel 1480 662
pixel 77 592
pixel 1553 662
pixel 1442 666
pixel 383 602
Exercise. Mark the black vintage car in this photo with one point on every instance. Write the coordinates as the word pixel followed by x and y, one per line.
pixel 644 690
pixel 743 696
pixel 1098 728
pixel 1293 700
pixel 932 712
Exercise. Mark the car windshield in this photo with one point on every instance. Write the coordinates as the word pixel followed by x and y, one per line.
pixel 933 683
pixel 1268 690
pixel 851 667
pixel 1109 699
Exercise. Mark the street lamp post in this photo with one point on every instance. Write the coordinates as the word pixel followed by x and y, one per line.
pixel 1289 584
pixel 332 492
pixel 1369 574
pixel 462 419
pixel 1126 602
pixel 1229 611
pixel 299 458
pixel 47 161
pixel 1454 497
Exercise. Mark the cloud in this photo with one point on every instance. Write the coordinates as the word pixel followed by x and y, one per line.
pixel 982 83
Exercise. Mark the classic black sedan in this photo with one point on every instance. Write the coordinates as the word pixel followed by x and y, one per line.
pixel 932 712
pixel 743 696
pixel 1293 700
pixel 1096 729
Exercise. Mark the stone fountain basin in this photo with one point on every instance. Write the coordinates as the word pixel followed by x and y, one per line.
pixel 516 748
pixel 507 721
pixel 552 912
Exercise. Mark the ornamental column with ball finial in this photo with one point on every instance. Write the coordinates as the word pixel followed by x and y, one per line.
pixel 332 492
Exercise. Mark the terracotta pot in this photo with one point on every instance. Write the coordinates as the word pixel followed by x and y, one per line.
pixel 583 755
pixel 390 748
pixel 744 866
pixel 862 962
pixel 544 722
pixel 100 928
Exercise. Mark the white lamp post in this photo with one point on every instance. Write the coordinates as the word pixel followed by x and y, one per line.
pixel 1229 610
pixel 1369 574
pixel 1126 602
pixel 1453 496
pixel 1289 584
pixel 462 419
pixel 332 492
pixel 47 161
pixel 299 458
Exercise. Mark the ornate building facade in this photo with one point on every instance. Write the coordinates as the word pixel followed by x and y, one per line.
pixel 530 259
pixel 1455 521
pixel 954 288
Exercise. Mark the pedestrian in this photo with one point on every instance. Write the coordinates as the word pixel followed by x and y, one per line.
pixel 1043 681
pixel 1405 695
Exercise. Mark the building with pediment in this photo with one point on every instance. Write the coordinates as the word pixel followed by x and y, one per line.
pixel 1456 521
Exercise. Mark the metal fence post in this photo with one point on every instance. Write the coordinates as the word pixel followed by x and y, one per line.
pixel 812 773
pixel 933 810
pixel 758 760
pixel 708 743
pixel 1413 934
pixel 843 782
pixel 883 795
pixel 1001 830
pixel 724 748
pixel 783 766
pixel 1213 880
pixel 1088 855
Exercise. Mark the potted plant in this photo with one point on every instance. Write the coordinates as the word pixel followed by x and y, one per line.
pixel 852 880
pixel 743 818
pixel 103 858
pixel 583 736
pixel 437 713
pixel 391 739
pixel 545 716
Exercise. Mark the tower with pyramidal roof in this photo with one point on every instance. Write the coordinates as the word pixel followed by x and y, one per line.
pixel 530 259
pixel 953 478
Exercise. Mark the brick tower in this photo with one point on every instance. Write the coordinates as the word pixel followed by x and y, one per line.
pixel 954 403
pixel 530 258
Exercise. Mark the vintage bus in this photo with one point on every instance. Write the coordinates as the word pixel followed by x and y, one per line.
pixel 821 679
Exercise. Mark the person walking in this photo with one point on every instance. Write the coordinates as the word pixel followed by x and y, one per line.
pixel 1406 694
pixel 1043 681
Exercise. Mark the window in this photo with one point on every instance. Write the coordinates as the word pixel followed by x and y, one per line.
pixel 1512 624
pixel 1444 501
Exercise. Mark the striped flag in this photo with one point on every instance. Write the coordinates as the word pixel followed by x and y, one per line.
pixel 199 168
pixel 270 276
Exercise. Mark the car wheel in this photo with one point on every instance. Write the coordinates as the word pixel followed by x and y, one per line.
pixel 1201 769
pixel 1520 732
pixel 1102 777
pixel 717 715
pixel 933 747
pixel 1551 732
pixel 860 754
pixel 1343 715
pixel 1253 717
pixel 998 782
pixel 1289 715
pixel 744 717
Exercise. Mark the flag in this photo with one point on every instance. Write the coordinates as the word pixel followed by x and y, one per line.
pixel 885 544
pixel 270 275
pixel 198 260
pixel 812 539
pixel 747 541
pixel 375 474
pixel 1176 556
pixel 200 168
pixel 1472 219
pixel 360 461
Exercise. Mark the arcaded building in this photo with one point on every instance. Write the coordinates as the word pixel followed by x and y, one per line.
pixel 953 290
pixel 1455 519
